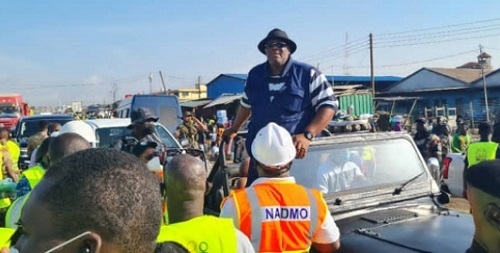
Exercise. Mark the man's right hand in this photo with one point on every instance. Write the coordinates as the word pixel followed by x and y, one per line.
pixel 230 133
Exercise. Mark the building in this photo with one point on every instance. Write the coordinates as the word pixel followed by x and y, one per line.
pixel 200 91
pixel 235 83
pixel 452 91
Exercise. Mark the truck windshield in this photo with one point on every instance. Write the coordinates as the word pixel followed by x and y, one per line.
pixel 9 111
pixel 349 166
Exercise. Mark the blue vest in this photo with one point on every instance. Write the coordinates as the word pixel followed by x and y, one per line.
pixel 291 107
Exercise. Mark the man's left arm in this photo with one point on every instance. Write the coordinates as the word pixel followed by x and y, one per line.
pixel 324 102
pixel 200 125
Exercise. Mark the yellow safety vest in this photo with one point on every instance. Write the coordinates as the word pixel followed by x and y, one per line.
pixel 14 212
pixel 5 202
pixel 5 235
pixel 15 152
pixel 34 175
pixel 481 151
pixel 202 234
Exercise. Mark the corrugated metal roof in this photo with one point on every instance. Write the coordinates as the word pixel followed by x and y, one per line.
pixel 465 75
pixel 195 103
pixel 363 79
pixel 237 76
pixel 224 99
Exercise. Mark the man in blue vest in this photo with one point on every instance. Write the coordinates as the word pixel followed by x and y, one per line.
pixel 291 94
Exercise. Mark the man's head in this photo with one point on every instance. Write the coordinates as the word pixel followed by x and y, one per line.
pixel 54 129
pixel 43 125
pixel 66 144
pixel 421 124
pixel 483 194
pixel 462 128
pixel 187 116
pixel 273 150
pixel 81 128
pixel 484 129
pixel 4 135
pixel 141 122
pixel 185 180
pixel 277 47
pixel 107 192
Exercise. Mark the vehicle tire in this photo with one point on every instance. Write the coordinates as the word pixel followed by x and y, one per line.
pixel 444 187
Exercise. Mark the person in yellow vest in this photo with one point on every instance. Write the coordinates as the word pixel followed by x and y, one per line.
pixel 186 177
pixel 7 171
pixel 277 214
pixel 61 146
pixel 94 201
pixel 33 175
pixel 12 147
pixel 483 150
pixel 483 194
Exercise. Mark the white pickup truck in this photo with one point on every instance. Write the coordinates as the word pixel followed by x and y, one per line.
pixel 452 174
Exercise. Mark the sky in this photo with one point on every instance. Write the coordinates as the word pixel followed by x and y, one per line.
pixel 54 52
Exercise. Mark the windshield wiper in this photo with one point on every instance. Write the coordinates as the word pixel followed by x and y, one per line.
pixel 399 189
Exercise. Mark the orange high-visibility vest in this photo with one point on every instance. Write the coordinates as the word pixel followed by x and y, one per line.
pixel 279 216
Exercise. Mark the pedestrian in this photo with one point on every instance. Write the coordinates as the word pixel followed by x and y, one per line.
pixel 292 94
pixel 143 130
pixel 185 179
pixel 188 130
pixel 483 194
pixel 93 201
pixel 12 147
pixel 36 140
pixel 483 150
pixel 52 150
pixel 429 145
pixel 276 209
pixel 461 139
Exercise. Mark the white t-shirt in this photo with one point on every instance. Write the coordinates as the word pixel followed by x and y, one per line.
pixel 327 233
pixel 334 178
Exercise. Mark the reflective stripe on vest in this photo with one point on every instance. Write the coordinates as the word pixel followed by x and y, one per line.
pixel 280 217
pixel 14 212
pixel 202 234
pixel 34 175
pixel 481 151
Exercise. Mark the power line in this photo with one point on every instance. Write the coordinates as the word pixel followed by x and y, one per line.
pixel 440 27
pixel 344 46
pixel 439 41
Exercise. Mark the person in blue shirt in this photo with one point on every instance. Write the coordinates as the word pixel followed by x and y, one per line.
pixel 289 93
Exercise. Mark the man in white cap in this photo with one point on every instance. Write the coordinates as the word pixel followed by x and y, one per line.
pixel 290 217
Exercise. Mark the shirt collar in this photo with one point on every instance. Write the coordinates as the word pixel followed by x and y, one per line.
pixel 263 180
pixel 285 70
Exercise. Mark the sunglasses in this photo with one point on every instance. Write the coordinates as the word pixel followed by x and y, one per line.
pixel 276 44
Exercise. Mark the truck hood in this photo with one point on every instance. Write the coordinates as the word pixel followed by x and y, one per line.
pixel 404 230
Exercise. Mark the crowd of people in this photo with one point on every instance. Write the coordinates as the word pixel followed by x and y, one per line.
pixel 133 198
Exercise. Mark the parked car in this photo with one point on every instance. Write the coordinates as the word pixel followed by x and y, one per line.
pixel 452 175
pixel 28 126
pixel 109 130
pixel 391 204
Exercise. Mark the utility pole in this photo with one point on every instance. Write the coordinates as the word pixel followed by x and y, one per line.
pixel 481 60
pixel 199 86
pixel 346 55
pixel 150 82
pixel 372 77
pixel 114 90
pixel 163 83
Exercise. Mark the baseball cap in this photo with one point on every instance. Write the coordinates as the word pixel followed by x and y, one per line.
pixel 142 115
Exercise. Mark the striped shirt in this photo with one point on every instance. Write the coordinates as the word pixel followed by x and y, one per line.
pixel 320 90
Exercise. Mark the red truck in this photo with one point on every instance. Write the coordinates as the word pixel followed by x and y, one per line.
pixel 12 108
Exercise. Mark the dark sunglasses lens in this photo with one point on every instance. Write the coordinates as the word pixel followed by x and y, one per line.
pixel 276 44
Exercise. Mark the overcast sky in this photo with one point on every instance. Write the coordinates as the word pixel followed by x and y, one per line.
pixel 55 52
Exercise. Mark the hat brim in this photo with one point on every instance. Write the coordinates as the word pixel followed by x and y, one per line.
pixel 289 43
pixel 142 121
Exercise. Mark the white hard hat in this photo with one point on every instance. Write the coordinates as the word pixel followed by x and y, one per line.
pixel 81 128
pixel 273 146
